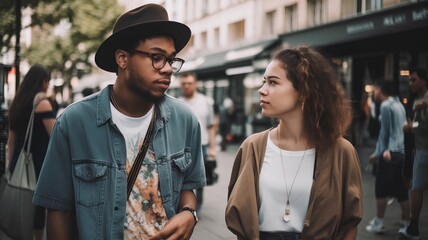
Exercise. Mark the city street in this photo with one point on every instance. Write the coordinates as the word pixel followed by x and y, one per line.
pixel 213 227
pixel 84 73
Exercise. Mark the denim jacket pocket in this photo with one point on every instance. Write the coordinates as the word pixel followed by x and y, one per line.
pixel 90 183
pixel 180 163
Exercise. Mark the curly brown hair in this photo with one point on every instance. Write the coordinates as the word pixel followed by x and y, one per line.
pixel 327 111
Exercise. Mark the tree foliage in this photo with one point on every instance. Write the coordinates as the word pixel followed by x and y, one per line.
pixel 65 33
pixel 7 24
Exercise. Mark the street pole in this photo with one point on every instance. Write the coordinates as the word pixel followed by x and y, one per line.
pixel 18 41
pixel 4 70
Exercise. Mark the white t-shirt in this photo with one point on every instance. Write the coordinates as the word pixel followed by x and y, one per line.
pixel 145 215
pixel 204 112
pixel 133 129
pixel 273 194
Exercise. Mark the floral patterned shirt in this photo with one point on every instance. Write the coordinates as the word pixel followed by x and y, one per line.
pixel 145 214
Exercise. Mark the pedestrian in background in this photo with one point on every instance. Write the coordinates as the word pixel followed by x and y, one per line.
pixel 31 91
pixel 389 155
pixel 225 120
pixel 418 82
pixel 301 179
pixel 409 143
pixel 204 111
pixel 95 141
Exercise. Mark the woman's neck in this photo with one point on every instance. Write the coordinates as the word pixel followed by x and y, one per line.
pixel 292 135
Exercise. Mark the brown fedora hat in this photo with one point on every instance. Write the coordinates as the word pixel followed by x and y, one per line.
pixel 147 20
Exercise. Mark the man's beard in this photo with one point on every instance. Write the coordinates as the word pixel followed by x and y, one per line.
pixel 148 96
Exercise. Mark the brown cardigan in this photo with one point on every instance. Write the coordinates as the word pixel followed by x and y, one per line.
pixel 335 203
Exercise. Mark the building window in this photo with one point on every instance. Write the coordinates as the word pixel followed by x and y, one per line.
pixel 270 23
pixel 290 18
pixel 216 37
pixel 374 5
pixel 390 3
pixel 317 12
pixel 189 10
pixel 204 8
pixel 348 8
pixel 237 31
pixel 370 5
pixel 203 40
pixel 191 42
pixel 190 46
pixel 214 6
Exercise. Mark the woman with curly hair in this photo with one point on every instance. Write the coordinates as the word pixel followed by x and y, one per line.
pixel 301 179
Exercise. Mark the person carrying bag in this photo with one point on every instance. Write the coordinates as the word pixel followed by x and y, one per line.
pixel 16 191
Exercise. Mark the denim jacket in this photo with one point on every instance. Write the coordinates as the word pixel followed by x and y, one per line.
pixel 392 120
pixel 84 169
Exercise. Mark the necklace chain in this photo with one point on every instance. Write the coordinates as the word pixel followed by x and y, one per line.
pixel 287 207
pixel 113 100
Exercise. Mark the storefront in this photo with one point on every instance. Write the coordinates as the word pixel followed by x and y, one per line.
pixel 365 49
pixel 382 45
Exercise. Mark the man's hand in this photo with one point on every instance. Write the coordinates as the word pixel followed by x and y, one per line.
pixel 407 128
pixel 177 228
pixel 372 158
pixel 387 155
pixel 211 153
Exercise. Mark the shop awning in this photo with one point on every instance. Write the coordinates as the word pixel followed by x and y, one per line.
pixel 403 18
pixel 210 61
pixel 233 57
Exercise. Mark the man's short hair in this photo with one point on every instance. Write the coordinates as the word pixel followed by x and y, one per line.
pixel 387 87
pixel 189 74
pixel 422 74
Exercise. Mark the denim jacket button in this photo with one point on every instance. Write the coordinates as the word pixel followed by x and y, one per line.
pixel 116 208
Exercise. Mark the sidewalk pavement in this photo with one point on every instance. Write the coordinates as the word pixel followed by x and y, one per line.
pixel 212 225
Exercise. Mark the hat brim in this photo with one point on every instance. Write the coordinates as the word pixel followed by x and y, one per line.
pixel 104 57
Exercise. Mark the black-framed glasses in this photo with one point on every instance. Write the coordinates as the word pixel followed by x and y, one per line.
pixel 159 60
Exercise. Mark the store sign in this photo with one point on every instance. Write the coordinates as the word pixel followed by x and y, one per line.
pixel 394 20
pixel 404 18
pixel 360 27
pixel 378 23
pixel 420 15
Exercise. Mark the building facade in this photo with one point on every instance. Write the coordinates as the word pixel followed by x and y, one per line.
pixel 232 41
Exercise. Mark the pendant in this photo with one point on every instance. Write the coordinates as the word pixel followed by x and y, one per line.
pixel 287 214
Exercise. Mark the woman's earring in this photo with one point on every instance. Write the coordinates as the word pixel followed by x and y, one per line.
pixel 303 106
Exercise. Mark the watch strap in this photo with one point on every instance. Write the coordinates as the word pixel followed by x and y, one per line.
pixel 193 211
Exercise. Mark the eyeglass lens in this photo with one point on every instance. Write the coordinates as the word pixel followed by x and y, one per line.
pixel 159 61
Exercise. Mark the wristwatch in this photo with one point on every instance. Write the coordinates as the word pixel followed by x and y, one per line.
pixel 193 211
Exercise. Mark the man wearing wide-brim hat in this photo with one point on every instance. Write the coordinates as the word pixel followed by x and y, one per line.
pixel 91 181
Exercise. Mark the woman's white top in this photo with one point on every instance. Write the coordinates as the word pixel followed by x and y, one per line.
pixel 273 194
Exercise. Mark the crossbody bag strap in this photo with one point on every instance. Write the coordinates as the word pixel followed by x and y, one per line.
pixel 135 169
pixel 29 133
